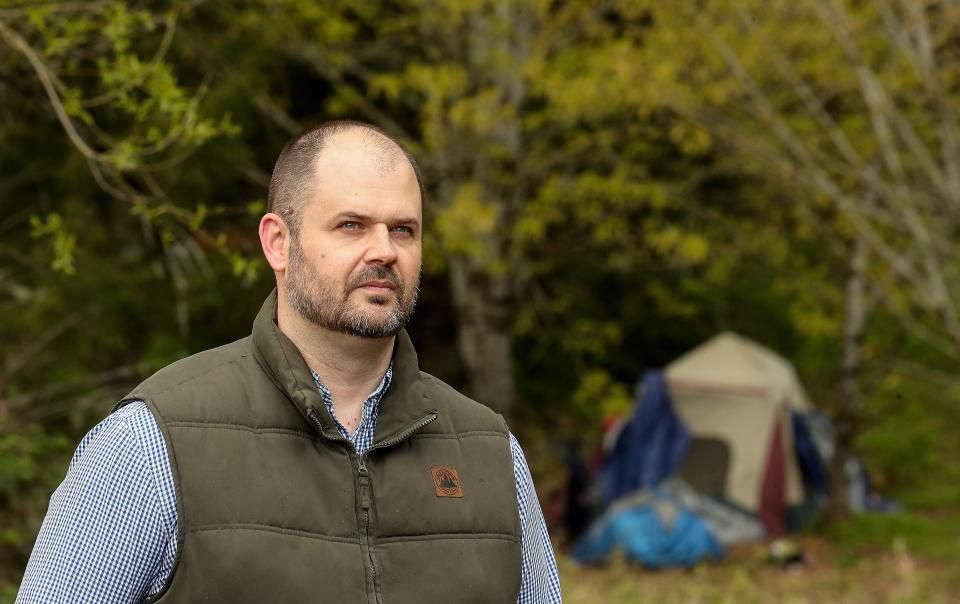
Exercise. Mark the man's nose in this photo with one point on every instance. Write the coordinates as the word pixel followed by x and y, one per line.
pixel 380 248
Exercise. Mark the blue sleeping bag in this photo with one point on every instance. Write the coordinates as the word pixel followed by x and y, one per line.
pixel 656 531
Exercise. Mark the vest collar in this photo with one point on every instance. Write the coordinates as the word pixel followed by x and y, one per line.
pixel 404 406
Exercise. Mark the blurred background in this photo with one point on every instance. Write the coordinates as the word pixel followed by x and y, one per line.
pixel 611 185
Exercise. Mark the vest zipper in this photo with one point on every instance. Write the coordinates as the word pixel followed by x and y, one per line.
pixel 365 496
pixel 365 521
pixel 312 414
pixel 363 476
pixel 364 481
pixel 426 419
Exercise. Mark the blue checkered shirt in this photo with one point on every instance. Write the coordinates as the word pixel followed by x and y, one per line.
pixel 110 534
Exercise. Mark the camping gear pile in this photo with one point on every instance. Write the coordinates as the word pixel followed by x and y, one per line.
pixel 723 448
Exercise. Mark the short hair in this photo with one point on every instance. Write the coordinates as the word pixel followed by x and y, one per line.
pixel 293 174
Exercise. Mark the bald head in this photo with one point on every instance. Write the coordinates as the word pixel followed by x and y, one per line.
pixel 295 176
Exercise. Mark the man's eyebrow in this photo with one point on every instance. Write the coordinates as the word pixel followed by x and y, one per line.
pixel 351 215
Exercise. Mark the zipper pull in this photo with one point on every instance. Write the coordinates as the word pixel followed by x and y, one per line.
pixel 364 482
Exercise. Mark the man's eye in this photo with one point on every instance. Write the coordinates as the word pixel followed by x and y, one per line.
pixel 350 226
pixel 403 230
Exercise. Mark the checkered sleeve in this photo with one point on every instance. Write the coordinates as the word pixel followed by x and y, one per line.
pixel 540 581
pixel 109 532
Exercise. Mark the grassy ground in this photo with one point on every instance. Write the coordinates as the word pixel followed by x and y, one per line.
pixel 886 560
pixel 906 559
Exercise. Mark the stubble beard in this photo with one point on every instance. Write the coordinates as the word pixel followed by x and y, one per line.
pixel 317 300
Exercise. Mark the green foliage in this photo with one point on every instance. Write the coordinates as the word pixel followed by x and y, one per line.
pixel 63 243
pixel 933 537
pixel 31 462
pixel 22 457
pixel 598 397
pixel 465 226
pixel 105 72
pixel 908 438
pixel 851 106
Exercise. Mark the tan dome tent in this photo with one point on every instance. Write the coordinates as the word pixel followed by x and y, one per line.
pixel 735 397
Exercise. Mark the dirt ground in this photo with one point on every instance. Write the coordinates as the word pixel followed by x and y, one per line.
pixel 827 575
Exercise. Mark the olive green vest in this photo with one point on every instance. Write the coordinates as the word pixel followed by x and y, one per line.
pixel 275 506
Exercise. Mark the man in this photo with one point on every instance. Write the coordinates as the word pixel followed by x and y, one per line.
pixel 311 461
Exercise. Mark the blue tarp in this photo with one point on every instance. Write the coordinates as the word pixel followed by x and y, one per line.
pixel 811 464
pixel 655 530
pixel 650 447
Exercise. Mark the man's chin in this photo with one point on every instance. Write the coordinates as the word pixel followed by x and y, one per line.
pixel 374 321
pixel 373 330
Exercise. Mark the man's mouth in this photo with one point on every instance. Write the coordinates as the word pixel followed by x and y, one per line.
pixel 379 287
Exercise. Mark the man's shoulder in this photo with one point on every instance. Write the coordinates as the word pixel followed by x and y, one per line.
pixel 199 369
pixel 465 413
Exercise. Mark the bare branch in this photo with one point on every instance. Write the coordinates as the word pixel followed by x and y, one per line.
pixel 315 58
pixel 276 113
pixel 47 79
pixel 807 96
pixel 929 70
pixel 836 18
pixel 819 177
pixel 120 191
pixel 124 374
pixel 255 174
pixel 945 379
pixel 18 360
pixel 815 107
pixel 926 243
pixel 57 7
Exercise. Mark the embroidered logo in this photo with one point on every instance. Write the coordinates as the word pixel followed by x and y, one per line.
pixel 447 482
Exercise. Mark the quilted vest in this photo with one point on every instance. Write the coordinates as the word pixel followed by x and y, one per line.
pixel 275 506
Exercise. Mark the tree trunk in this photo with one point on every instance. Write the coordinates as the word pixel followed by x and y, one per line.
pixel 485 333
pixel 846 418
pixel 483 290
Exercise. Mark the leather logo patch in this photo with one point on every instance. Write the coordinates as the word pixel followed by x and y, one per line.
pixel 447 482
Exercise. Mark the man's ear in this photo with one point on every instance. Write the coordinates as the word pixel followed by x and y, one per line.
pixel 274 239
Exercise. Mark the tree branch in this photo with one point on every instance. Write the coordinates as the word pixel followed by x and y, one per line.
pixel 47 79
pixel 19 359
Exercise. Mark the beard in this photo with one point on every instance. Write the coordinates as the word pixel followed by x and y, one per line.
pixel 318 301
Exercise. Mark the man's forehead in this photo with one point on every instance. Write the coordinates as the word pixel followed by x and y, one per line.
pixel 351 179
pixel 360 149
pixel 364 176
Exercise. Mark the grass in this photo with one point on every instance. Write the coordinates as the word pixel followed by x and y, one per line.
pixel 904 559
pixel 934 536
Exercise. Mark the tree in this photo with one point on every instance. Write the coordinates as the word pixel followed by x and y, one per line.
pixel 532 133
pixel 102 70
pixel 94 127
pixel 98 71
pixel 852 106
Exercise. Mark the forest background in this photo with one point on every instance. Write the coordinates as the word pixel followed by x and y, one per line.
pixel 609 183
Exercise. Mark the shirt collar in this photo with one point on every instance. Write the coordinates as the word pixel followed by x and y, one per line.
pixel 372 400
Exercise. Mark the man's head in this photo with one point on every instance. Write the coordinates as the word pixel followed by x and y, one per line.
pixel 343 229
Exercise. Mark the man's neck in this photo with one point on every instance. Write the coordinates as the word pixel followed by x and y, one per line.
pixel 349 367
